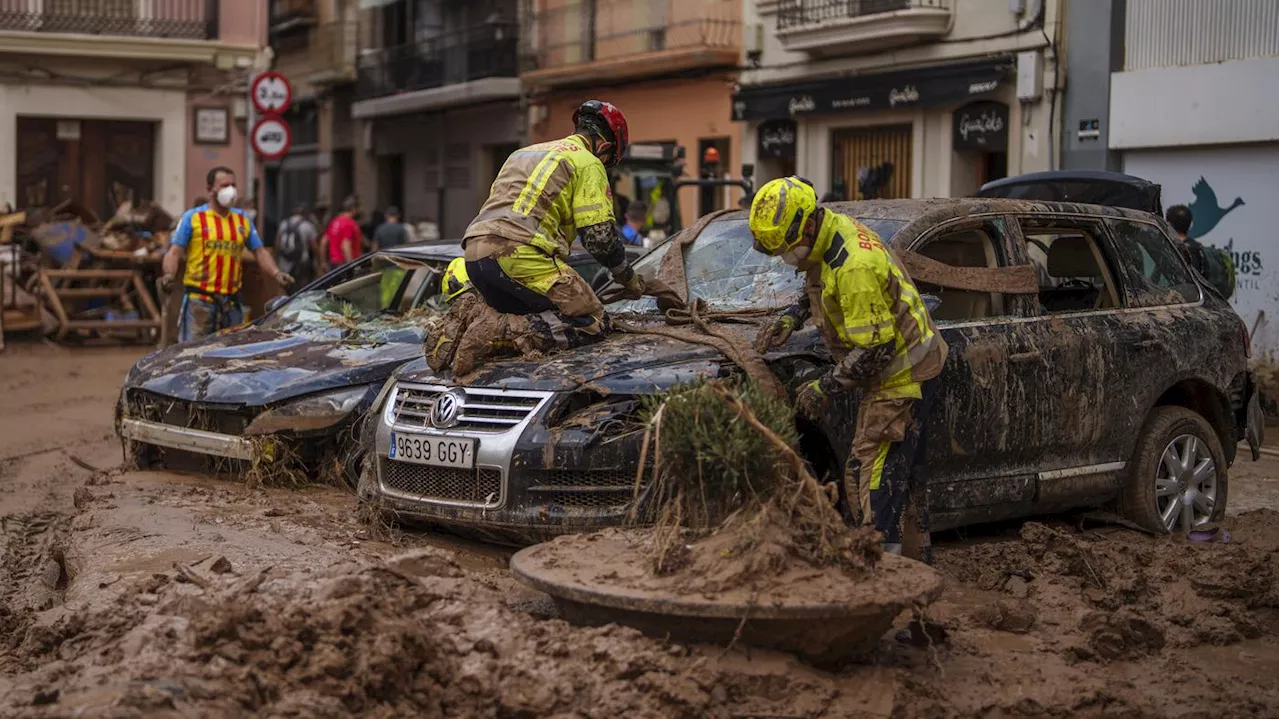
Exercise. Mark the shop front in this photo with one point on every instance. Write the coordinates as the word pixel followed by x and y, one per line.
pixel 931 131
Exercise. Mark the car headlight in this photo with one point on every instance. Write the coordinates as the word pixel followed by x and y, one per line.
pixel 315 412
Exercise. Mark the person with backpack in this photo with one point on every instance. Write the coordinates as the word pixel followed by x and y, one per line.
pixel 1213 264
pixel 295 240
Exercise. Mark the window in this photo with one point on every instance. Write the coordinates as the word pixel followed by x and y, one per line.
pixel 963 248
pixel 1069 263
pixel 1153 273
pixel 874 162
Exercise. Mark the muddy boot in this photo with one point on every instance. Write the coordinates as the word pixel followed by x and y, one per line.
pixel 443 344
pixel 490 334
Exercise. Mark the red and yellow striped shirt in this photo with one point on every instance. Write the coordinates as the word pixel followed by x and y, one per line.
pixel 214 244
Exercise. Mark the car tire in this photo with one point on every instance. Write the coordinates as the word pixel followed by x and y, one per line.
pixel 1162 483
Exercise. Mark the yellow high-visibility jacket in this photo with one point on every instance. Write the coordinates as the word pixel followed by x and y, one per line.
pixel 867 300
pixel 543 194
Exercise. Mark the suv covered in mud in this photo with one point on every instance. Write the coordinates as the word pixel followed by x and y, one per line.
pixel 283 393
pixel 1087 365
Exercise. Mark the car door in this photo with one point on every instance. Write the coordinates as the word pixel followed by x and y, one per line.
pixel 1072 342
pixel 976 437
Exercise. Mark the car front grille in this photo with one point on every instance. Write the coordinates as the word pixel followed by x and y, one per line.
pixel 481 487
pixel 484 411
pixel 600 489
pixel 223 419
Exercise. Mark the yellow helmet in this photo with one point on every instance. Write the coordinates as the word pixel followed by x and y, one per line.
pixel 455 280
pixel 779 212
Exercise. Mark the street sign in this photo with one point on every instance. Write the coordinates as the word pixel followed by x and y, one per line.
pixel 271 138
pixel 271 93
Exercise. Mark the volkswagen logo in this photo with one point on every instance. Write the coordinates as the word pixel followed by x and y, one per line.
pixel 444 414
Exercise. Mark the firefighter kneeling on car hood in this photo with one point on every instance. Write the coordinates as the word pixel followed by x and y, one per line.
pixel 879 330
pixel 517 247
pixel 467 333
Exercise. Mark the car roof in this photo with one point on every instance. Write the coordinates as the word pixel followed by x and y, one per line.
pixel 918 215
pixel 450 249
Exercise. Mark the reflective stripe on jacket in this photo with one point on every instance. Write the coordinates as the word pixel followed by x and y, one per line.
pixel 867 299
pixel 543 194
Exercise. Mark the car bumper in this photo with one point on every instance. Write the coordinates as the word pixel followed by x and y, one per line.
pixel 189 440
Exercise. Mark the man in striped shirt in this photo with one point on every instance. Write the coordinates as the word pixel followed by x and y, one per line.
pixel 211 238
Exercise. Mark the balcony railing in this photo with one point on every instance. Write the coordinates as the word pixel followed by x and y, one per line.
pixel 291 15
pixel 798 13
pixel 448 59
pixel 333 53
pixel 616 29
pixel 185 19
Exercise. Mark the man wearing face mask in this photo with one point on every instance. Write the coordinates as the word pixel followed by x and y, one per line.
pixel 884 341
pixel 518 246
pixel 211 239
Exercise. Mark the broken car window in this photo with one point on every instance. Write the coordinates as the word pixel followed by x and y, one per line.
pixel 965 248
pixel 370 294
pixel 725 270
pixel 1154 274
pixel 1068 261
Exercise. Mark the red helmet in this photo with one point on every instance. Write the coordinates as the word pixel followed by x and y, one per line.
pixel 609 121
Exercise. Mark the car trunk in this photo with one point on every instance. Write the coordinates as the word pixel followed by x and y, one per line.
pixel 1110 189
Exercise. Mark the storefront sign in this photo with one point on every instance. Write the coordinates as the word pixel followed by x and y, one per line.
pixel 777 139
pixel 1231 192
pixel 923 87
pixel 982 126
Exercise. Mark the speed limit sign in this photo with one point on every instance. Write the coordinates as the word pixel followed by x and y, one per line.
pixel 271 93
pixel 271 138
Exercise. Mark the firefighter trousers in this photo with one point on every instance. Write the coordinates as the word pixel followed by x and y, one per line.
pixel 882 482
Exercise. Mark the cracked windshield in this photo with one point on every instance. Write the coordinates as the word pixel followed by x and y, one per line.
pixel 724 270
pixel 379 293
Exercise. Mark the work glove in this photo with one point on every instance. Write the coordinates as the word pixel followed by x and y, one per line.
pixel 166 283
pixel 633 288
pixel 776 333
pixel 811 400
pixel 284 278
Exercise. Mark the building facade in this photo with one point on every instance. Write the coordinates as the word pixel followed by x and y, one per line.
pixel 669 65
pixel 1191 104
pixel 103 101
pixel 314 43
pixel 437 107
pixel 900 98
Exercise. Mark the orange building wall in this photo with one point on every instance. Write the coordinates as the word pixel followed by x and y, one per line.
pixel 683 111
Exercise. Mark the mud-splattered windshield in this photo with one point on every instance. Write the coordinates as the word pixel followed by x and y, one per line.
pixel 725 270
pixel 373 294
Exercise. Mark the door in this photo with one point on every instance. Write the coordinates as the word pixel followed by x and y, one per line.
pixel 100 163
pixel 874 162
pixel 976 436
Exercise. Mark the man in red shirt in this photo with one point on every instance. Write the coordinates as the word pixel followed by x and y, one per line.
pixel 343 236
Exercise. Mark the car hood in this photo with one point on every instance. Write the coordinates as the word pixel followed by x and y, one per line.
pixel 258 367
pixel 622 362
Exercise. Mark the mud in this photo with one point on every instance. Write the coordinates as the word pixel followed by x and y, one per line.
pixel 162 594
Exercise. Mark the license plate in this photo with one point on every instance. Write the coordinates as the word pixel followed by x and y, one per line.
pixel 436 451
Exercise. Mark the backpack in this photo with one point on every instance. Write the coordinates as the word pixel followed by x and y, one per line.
pixel 1216 266
pixel 289 245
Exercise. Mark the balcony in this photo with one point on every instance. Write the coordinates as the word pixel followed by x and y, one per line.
pixel 167 30
pixel 333 54
pixel 291 16
pixel 461 67
pixel 821 27
pixel 607 40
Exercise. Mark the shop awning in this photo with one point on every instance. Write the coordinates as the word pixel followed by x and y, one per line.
pixel 920 87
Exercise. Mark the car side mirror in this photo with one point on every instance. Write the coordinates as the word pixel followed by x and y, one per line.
pixel 274 303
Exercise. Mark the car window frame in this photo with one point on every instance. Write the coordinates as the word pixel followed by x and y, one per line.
pixel 1114 245
pixel 1096 227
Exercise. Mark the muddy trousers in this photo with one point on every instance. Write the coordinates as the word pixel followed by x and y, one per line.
pixel 204 314
pixel 568 315
pixel 882 474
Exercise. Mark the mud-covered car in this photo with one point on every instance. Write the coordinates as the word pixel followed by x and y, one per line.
pixel 284 392
pixel 1105 373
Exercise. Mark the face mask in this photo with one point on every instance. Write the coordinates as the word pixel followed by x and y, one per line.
pixel 227 195
pixel 796 256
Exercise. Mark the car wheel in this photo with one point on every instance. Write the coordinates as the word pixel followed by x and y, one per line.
pixel 1178 475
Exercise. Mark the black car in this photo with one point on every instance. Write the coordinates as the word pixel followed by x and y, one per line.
pixel 287 388
pixel 1122 378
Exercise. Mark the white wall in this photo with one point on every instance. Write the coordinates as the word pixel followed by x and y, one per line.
pixel 1247 172
pixel 168 107
pixel 1196 105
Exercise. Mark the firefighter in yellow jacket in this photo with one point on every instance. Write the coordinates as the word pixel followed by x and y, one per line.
pixel 517 247
pixel 877 327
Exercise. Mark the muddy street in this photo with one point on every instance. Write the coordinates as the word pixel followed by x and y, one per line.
pixel 161 593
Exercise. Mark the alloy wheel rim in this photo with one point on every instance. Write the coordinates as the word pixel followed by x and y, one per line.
pixel 1186 483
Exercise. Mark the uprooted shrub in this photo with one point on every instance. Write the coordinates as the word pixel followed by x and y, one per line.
pixel 723 464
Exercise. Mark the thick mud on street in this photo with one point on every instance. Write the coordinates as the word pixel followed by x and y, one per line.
pixel 165 594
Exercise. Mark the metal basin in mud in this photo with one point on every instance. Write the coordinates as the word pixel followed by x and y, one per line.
pixel 819 630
